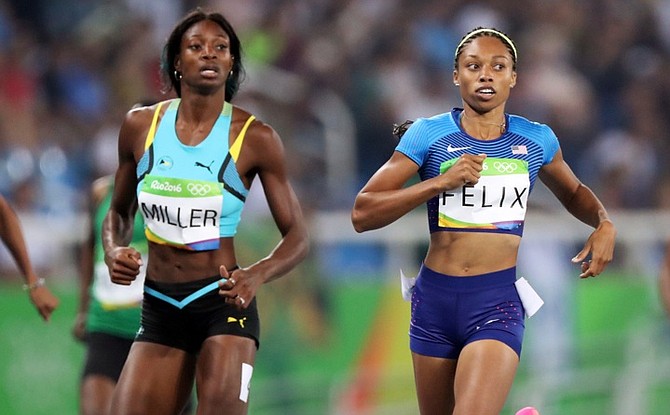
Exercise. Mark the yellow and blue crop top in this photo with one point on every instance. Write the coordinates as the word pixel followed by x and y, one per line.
pixel 190 196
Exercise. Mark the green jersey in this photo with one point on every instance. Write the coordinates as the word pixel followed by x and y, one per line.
pixel 113 308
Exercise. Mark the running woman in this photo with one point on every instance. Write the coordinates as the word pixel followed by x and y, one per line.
pixel 187 165
pixel 477 166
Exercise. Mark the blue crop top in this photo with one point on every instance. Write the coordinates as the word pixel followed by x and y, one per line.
pixel 190 196
pixel 497 203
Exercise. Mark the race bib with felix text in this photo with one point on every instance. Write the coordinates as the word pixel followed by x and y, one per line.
pixel 497 201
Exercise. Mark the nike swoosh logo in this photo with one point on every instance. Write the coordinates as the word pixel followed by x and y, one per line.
pixel 488 322
pixel 451 148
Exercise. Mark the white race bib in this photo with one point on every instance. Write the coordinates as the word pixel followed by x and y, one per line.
pixel 497 201
pixel 181 212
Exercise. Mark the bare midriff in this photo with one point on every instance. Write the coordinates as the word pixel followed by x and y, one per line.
pixel 471 253
pixel 170 264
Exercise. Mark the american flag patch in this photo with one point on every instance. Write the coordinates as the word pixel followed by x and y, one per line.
pixel 519 150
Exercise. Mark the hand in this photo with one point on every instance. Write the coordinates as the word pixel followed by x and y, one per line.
pixel 79 327
pixel 44 301
pixel 601 246
pixel 467 170
pixel 124 264
pixel 236 289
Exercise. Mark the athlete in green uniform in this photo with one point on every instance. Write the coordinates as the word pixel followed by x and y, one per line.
pixel 109 314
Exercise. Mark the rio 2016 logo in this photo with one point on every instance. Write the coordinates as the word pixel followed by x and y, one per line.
pixel 166 186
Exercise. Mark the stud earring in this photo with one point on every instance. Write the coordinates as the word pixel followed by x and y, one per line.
pixel 177 75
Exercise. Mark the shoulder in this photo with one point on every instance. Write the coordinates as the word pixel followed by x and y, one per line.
pixel 143 114
pixel 262 148
pixel 527 127
pixel 417 141
pixel 540 134
pixel 428 129
pixel 136 126
pixel 433 127
pixel 256 130
pixel 443 120
pixel 141 117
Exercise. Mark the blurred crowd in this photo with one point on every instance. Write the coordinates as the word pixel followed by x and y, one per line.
pixel 594 70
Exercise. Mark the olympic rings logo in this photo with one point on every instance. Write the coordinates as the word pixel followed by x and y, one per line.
pixel 505 167
pixel 198 189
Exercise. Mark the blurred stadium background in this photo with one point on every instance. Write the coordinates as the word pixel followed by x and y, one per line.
pixel 332 76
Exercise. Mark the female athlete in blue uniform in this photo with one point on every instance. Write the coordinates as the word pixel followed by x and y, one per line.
pixel 478 166
pixel 187 165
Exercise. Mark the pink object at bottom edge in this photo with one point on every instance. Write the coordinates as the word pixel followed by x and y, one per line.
pixel 529 410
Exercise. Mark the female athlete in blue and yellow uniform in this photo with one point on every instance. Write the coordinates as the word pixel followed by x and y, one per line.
pixel 478 166
pixel 187 165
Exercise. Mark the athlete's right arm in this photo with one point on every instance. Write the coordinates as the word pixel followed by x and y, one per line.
pixel 11 235
pixel 117 228
pixel 384 199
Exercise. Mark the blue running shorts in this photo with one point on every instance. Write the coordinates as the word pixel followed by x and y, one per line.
pixel 450 312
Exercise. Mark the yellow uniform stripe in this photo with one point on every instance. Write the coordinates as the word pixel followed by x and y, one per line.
pixel 237 144
pixel 152 129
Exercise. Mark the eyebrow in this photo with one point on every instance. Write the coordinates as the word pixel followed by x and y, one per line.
pixel 472 55
pixel 200 36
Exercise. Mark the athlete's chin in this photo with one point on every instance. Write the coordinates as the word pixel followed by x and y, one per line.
pixel 208 88
pixel 482 106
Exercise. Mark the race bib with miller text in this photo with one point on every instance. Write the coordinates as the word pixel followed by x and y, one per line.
pixel 181 212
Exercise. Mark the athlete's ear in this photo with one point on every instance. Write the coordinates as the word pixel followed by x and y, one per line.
pixel 511 84
pixel 455 77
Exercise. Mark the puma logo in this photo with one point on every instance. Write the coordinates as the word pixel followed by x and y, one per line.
pixel 199 164
pixel 234 320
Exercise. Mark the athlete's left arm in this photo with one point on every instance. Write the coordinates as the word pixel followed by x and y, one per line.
pixel 270 166
pixel 584 205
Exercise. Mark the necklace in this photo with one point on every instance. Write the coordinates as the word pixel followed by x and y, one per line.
pixel 501 125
